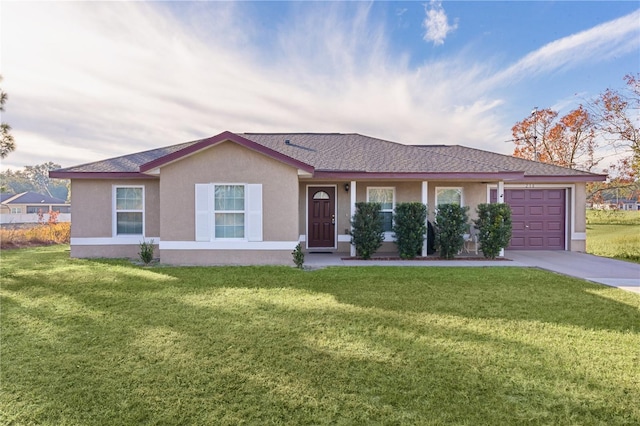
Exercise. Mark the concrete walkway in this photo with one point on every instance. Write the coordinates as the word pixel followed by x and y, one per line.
pixel 615 273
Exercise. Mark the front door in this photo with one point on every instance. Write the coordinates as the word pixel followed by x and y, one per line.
pixel 321 232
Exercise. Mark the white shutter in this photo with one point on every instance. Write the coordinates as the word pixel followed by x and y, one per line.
pixel 203 212
pixel 254 212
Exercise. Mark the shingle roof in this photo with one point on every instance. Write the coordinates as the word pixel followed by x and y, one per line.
pixel 30 198
pixel 343 153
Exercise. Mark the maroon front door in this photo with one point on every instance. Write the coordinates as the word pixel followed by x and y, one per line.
pixel 537 217
pixel 321 232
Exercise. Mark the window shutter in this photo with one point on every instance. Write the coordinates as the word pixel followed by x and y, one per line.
pixel 203 212
pixel 254 212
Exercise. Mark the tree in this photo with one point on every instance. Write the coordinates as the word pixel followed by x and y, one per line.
pixel 617 116
pixel 36 179
pixel 7 144
pixel 39 175
pixel 569 141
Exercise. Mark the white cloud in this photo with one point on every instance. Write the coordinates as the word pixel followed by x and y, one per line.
pixel 600 43
pixel 436 23
pixel 115 78
pixel 88 81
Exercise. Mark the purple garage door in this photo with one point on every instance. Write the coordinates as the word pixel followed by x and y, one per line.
pixel 538 217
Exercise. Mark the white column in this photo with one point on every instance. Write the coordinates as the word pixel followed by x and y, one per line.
pixel 500 194
pixel 500 199
pixel 424 200
pixel 352 192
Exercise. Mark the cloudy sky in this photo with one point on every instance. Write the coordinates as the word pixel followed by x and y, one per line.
pixel 92 80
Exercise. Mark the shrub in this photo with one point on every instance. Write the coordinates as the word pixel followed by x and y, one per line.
pixel 410 226
pixel 367 232
pixel 298 256
pixel 146 252
pixel 494 228
pixel 451 224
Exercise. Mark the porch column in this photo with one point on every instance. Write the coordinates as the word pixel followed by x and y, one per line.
pixel 352 193
pixel 423 200
pixel 500 199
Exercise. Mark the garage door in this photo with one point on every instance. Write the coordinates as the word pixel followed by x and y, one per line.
pixel 538 217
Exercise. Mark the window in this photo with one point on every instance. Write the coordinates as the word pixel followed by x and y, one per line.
pixel 321 195
pixel 387 199
pixel 129 210
pixel 229 211
pixel 16 210
pixel 37 209
pixel 449 196
pixel 61 209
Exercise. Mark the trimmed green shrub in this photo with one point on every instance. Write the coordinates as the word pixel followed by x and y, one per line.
pixel 451 224
pixel 494 228
pixel 367 233
pixel 298 256
pixel 146 252
pixel 410 227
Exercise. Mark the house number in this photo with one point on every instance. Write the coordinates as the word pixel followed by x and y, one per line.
pixel 530 185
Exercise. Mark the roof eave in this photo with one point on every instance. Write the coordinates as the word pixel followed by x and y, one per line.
pixel 564 178
pixel 337 174
pixel 99 175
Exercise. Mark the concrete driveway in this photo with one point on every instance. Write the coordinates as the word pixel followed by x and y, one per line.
pixel 611 272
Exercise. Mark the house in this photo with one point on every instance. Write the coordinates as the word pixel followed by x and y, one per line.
pixel 250 198
pixel 27 207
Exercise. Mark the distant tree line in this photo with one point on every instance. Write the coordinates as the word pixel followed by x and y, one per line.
pixel 35 179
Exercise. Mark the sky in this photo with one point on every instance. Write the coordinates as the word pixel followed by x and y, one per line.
pixel 88 81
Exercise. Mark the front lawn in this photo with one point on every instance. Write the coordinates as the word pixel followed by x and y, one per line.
pixel 107 342
pixel 614 233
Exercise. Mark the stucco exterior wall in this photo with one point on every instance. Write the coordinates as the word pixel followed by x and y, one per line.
pixel 227 257
pixel 579 209
pixel 229 163
pixel 93 207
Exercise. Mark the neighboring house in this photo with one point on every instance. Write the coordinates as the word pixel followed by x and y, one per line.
pixel 250 198
pixel 629 205
pixel 27 207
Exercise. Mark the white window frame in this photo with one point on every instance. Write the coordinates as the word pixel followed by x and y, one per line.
pixel 214 212
pixel 439 188
pixel 115 211
pixel 205 213
pixel 16 210
pixel 388 235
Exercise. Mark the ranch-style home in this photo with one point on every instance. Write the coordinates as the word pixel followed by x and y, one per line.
pixel 250 198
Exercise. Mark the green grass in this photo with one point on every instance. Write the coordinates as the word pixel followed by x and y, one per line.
pixel 614 234
pixel 106 342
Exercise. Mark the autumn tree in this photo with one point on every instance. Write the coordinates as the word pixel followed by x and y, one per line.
pixel 569 141
pixel 7 144
pixel 617 115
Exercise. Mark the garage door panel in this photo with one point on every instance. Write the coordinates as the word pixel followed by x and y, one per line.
pixel 555 194
pixel 517 226
pixel 536 242
pixel 536 210
pixel 517 242
pixel 554 226
pixel 555 210
pixel 535 195
pixel 517 210
pixel 535 226
pixel 517 194
pixel 538 218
